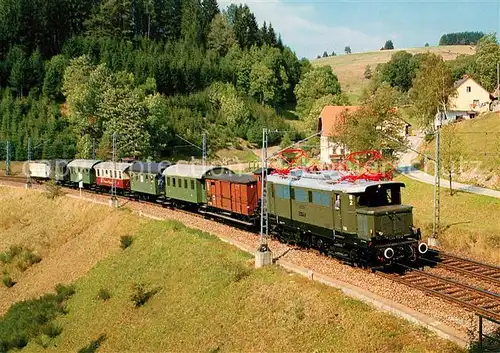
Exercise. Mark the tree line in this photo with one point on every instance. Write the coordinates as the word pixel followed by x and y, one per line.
pixel 73 72
pixel 461 38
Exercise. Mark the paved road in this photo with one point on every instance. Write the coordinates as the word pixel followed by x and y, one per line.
pixel 405 167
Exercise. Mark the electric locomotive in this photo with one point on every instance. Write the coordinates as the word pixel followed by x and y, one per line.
pixel 363 222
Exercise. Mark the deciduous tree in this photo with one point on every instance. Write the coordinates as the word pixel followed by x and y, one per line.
pixel 451 151
pixel 486 59
pixel 432 88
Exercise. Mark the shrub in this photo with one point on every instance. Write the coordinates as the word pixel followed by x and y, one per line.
pixel 64 292
pixel 7 281
pixel 103 294
pixel 53 190
pixel 52 330
pixel 94 345
pixel 31 258
pixel 140 296
pixel 125 241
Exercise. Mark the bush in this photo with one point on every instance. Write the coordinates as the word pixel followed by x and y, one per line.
pixel 52 330
pixel 94 345
pixel 64 292
pixel 53 190
pixel 103 294
pixel 140 296
pixel 31 258
pixel 7 281
pixel 125 241
pixel 32 319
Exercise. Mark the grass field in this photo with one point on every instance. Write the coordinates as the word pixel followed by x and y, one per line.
pixel 69 236
pixel 350 68
pixel 210 299
pixel 207 295
pixel 481 150
pixel 469 222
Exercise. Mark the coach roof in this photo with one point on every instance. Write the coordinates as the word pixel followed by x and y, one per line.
pixel 149 167
pixel 195 171
pixel 120 166
pixel 83 163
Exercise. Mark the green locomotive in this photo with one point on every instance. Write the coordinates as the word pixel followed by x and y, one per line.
pixel 362 222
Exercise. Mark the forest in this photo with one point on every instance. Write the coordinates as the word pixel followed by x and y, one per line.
pixel 461 38
pixel 74 72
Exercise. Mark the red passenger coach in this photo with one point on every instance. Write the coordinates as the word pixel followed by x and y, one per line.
pixel 106 170
pixel 235 193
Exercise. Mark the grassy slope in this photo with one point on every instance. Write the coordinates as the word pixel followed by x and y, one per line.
pixel 350 68
pixel 469 222
pixel 212 300
pixel 70 236
pixel 481 150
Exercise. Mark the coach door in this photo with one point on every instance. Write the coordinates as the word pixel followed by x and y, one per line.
pixel 337 213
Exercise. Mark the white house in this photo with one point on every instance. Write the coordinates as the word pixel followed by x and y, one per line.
pixel 471 99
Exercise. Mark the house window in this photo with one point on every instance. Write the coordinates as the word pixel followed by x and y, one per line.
pixel 468 89
pixel 475 102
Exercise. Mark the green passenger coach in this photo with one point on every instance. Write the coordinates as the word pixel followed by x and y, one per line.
pixel 82 170
pixel 147 178
pixel 185 182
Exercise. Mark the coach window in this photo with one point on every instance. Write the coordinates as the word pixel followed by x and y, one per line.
pixel 192 184
pixel 310 196
pixel 173 181
pixel 180 183
pixel 337 201
pixel 168 181
pixel 185 184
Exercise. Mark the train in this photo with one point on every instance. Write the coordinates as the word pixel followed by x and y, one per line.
pixel 362 222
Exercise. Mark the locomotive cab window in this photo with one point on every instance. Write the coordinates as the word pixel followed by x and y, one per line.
pixel 379 195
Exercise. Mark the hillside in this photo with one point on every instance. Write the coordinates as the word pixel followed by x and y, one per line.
pixel 206 296
pixel 479 149
pixel 468 222
pixel 350 68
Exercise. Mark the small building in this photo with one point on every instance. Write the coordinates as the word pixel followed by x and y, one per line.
pixel 471 99
pixel 331 122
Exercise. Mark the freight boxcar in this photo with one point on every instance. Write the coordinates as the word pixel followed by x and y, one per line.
pixel 82 170
pixel 185 183
pixel 235 195
pixel 109 172
pixel 146 178
pixel 39 169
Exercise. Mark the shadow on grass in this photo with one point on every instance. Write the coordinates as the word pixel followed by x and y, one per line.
pixel 94 345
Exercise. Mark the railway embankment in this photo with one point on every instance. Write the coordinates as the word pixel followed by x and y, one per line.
pixel 204 294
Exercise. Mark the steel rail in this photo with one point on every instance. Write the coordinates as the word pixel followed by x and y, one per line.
pixel 414 279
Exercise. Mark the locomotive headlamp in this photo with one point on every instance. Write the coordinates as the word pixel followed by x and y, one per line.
pixel 380 233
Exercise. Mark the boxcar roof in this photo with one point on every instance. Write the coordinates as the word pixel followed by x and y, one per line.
pixel 235 178
pixel 121 166
pixel 83 163
pixel 259 171
pixel 322 184
pixel 194 171
pixel 149 167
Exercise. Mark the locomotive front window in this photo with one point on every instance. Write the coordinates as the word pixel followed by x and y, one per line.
pixel 380 196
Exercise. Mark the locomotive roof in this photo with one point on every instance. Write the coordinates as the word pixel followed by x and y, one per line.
pixel 235 178
pixel 149 167
pixel 83 163
pixel 328 183
pixel 195 171
pixel 121 166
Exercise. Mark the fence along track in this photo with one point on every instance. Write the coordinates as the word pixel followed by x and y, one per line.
pixel 471 298
pixel 467 267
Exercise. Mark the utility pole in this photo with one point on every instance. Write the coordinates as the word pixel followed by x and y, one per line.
pixel 28 176
pixel 263 256
pixel 93 148
pixel 433 240
pixel 204 147
pixel 114 200
pixel 7 158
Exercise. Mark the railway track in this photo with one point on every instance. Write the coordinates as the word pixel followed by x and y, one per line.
pixel 471 268
pixel 471 298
